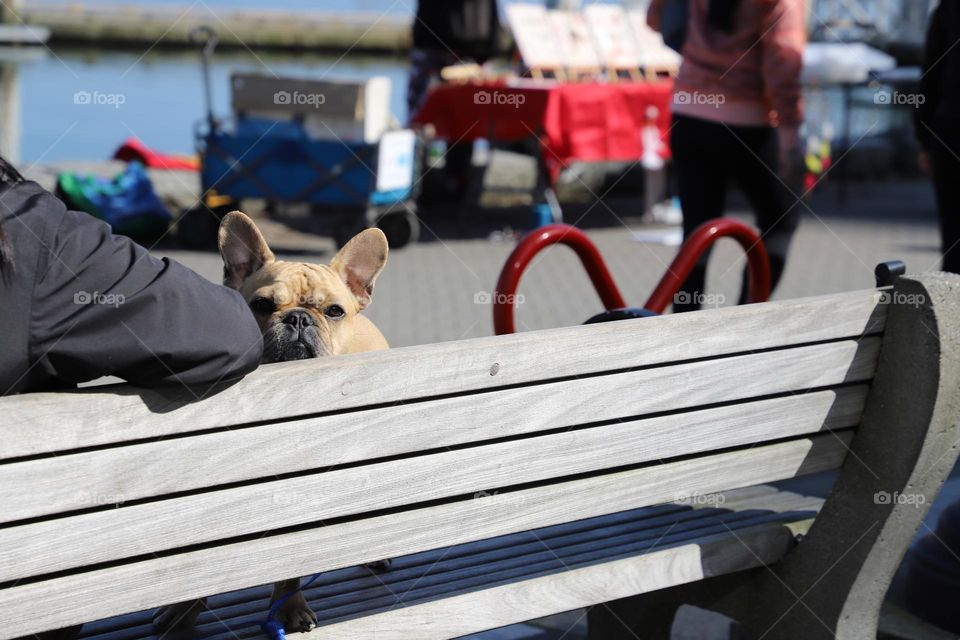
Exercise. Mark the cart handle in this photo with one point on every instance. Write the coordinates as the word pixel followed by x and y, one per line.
pixel 206 37
pixel 699 241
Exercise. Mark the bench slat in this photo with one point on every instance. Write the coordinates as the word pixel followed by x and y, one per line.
pixel 420 577
pixel 539 557
pixel 117 475
pixel 148 583
pixel 477 611
pixel 371 595
pixel 90 538
pixel 44 422
pixel 232 608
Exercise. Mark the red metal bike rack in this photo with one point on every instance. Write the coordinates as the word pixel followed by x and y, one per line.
pixel 699 241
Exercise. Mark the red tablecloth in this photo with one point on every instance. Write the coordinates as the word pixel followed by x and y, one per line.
pixel 585 122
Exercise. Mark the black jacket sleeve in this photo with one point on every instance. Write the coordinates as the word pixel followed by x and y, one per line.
pixel 104 306
pixel 931 79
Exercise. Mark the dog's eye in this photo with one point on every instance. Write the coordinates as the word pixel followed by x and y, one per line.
pixel 334 312
pixel 263 306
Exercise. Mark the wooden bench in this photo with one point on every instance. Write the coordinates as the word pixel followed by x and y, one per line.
pixel 508 478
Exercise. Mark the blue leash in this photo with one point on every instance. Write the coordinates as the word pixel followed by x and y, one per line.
pixel 273 627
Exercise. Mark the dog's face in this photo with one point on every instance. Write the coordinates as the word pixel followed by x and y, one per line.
pixel 304 310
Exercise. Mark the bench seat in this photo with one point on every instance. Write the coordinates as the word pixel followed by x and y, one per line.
pixel 509 478
pixel 745 526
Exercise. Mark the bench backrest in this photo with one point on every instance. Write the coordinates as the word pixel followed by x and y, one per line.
pixel 116 499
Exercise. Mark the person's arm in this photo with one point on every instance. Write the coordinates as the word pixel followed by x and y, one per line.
pixel 783 39
pixel 931 78
pixel 655 14
pixel 104 306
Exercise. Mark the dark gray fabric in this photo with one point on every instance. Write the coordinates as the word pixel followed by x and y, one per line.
pixel 78 303
pixel 468 28
pixel 938 115
pixel 673 23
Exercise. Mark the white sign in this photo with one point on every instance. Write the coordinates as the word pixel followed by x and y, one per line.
pixel 575 40
pixel 395 164
pixel 613 36
pixel 653 51
pixel 535 36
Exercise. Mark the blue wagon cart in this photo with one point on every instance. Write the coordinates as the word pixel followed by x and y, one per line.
pixel 328 146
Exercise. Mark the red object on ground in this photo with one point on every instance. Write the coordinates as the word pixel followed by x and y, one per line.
pixel 589 122
pixel 134 150
pixel 699 241
pixel 533 244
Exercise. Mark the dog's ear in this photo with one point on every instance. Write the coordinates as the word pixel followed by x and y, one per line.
pixel 242 248
pixel 360 262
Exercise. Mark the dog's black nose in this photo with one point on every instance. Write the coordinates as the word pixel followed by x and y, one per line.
pixel 299 319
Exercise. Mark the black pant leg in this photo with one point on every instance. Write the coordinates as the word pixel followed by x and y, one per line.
pixel 777 211
pixel 702 187
pixel 946 181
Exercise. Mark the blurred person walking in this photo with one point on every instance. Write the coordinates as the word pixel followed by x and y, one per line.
pixel 445 33
pixel 737 111
pixel 938 124
pixel 932 581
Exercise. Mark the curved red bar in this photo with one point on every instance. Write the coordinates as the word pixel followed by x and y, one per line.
pixel 533 244
pixel 699 241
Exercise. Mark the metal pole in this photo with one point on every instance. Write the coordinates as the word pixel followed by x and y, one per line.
pixel 10 112
pixel 9 11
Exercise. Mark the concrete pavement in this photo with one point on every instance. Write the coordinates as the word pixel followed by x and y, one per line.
pixel 434 291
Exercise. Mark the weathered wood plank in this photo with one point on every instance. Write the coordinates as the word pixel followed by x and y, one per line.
pixel 140 585
pixel 531 553
pixel 241 610
pixel 105 535
pixel 455 616
pixel 371 595
pixel 442 573
pixel 45 422
pixel 117 475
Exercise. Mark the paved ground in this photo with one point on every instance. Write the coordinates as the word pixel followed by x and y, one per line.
pixel 433 291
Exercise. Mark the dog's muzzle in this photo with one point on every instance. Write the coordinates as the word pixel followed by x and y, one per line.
pixel 295 337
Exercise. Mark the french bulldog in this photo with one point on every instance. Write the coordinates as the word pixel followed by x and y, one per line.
pixel 304 311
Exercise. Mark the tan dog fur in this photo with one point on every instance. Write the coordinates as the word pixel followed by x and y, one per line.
pixel 251 268
pixel 278 290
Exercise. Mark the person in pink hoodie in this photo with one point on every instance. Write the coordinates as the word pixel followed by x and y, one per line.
pixel 737 111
